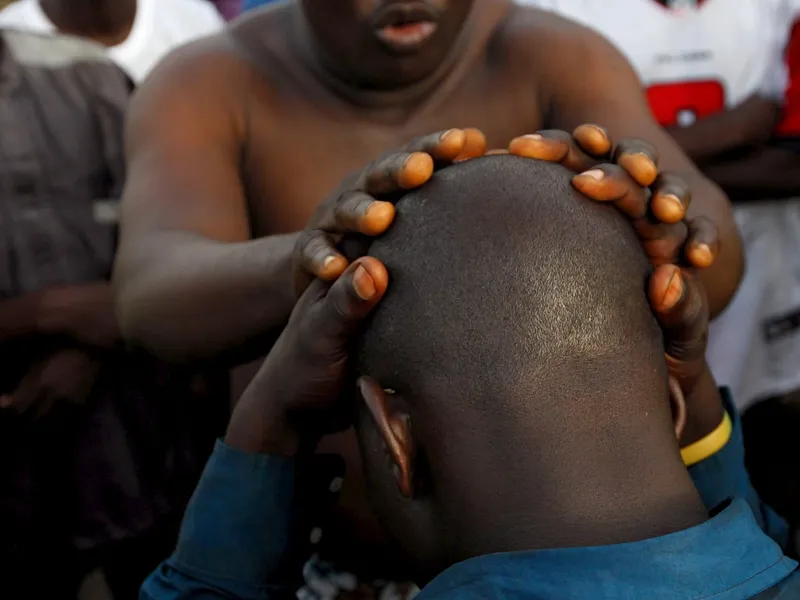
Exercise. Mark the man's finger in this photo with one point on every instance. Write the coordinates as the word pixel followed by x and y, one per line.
pixel 703 245
pixel 593 140
pixel 357 212
pixel 318 255
pixel 330 316
pixel 663 243
pixel 354 295
pixel 444 147
pixel 639 159
pixel 671 198
pixel 680 305
pixel 397 173
pixel 611 183
pixel 474 146
pixel 553 146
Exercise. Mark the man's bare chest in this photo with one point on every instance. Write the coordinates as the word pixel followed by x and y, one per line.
pixel 303 155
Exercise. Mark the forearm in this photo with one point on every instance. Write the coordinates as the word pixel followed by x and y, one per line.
pixel 236 533
pixel 189 299
pixel 748 124
pixel 723 476
pixel 68 311
pixel 704 141
pixel 62 311
pixel 766 173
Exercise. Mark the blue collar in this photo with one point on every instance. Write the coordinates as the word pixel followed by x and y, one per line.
pixel 725 558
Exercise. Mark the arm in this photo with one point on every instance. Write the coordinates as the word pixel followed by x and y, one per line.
pixel 84 313
pixel 769 172
pixel 747 125
pixel 600 87
pixel 238 530
pixel 723 475
pixel 716 463
pixel 189 283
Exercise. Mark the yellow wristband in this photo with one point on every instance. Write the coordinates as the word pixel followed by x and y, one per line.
pixel 709 445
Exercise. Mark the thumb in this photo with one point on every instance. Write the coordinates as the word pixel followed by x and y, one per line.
pixel 680 305
pixel 339 312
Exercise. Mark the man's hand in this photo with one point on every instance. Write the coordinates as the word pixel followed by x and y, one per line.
pixel 656 202
pixel 680 305
pixel 628 176
pixel 64 378
pixel 83 313
pixel 365 202
pixel 295 397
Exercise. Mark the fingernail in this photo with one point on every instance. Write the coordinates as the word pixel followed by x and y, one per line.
pixel 363 284
pixel 639 166
pixel 673 205
pixel 417 169
pixel 378 208
pixel 328 260
pixel 596 174
pixel 448 133
pixel 702 255
pixel 599 130
pixel 674 291
pixel 532 136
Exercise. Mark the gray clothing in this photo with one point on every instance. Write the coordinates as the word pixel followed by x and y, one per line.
pixel 129 459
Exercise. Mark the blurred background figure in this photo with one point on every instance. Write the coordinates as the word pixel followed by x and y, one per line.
pixel 715 77
pixel 138 33
pixel 100 447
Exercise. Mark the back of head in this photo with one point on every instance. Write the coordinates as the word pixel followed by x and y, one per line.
pixel 517 330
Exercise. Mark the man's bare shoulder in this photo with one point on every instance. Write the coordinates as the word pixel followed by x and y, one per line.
pixel 541 36
pixel 558 56
pixel 230 62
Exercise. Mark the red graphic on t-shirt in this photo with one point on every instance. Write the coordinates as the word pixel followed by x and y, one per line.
pixel 684 102
pixel 790 124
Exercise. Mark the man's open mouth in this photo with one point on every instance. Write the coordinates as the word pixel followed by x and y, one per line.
pixel 406 26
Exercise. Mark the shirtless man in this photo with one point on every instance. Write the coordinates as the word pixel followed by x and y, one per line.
pixel 239 141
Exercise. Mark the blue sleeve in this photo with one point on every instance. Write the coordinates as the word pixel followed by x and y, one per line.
pixel 236 532
pixel 723 476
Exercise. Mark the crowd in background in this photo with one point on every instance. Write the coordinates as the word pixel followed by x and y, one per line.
pixel 106 426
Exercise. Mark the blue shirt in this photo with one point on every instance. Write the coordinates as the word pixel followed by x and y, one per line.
pixel 251 4
pixel 237 531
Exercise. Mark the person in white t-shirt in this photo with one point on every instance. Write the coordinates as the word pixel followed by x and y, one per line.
pixel 714 78
pixel 138 33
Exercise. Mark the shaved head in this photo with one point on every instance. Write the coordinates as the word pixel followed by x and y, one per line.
pixel 502 275
pixel 517 337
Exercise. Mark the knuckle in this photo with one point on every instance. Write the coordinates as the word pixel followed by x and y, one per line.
pixel 673 181
pixel 338 304
pixel 309 242
pixel 346 206
pixel 688 349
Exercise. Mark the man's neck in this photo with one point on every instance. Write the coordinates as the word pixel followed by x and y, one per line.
pixel 554 505
pixel 108 22
pixel 399 103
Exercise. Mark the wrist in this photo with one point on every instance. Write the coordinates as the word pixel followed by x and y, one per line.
pixel 47 313
pixel 21 317
pixel 704 409
pixel 254 428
